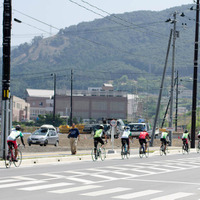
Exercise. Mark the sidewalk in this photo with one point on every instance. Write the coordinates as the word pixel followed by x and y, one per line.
pixel 84 155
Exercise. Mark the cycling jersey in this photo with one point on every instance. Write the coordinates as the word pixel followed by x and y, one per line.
pixel 143 135
pixel 98 133
pixel 164 135
pixel 126 134
pixel 14 135
pixel 185 136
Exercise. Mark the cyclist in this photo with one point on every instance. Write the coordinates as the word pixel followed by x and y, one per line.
pixel 198 135
pixel 164 138
pixel 142 138
pixel 185 138
pixel 98 137
pixel 125 137
pixel 11 140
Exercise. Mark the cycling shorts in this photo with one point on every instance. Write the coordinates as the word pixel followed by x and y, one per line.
pixel 198 136
pixel 12 142
pixel 125 140
pixel 98 140
pixel 163 140
pixel 185 140
pixel 142 141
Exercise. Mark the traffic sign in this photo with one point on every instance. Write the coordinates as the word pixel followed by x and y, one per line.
pixel 113 123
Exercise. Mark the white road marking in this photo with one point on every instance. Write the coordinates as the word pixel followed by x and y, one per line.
pixel 53 175
pixel 76 172
pixel 137 194
pixel 8 181
pixel 20 184
pixel 24 178
pixel 41 187
pixel 80 180
pixel 125 174
pixel 75 189
pixel 104 192
pixel 173 196
pixel 143 171
pixel 104 177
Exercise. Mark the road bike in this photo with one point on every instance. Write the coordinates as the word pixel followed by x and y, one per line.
pixel 162 149
pixel 98 153
pixel 198 147
pixel 185 147
pixel 10 158
pixel 142 151
pixel 124 151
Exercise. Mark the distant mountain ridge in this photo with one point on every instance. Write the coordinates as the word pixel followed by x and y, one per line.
pixel 122 49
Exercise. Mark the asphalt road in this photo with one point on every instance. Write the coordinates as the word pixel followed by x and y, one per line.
pixel 155 178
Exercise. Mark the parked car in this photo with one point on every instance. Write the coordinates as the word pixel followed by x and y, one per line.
pixel 136 128
pixel 45 135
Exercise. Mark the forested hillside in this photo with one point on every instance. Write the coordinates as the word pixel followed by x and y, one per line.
pixel 128 50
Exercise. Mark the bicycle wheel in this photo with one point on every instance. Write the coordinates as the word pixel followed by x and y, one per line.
pixel 123 153
pixel 102 154
pixel 8 160
pixel 147 152
pixel 19 159
pixel 183 148
pixel 128 154
pixel 94 156
pixel 161 150
pixel 141 151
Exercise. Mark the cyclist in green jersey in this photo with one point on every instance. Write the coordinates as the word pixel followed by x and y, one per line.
pixel 185 137
pixel 164 138
pixel 98 137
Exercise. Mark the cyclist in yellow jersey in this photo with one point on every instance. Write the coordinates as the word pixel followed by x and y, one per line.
pixel 164 138
pixel 98 137
pixel 185 138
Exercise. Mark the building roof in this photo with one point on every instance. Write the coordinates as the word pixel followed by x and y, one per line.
pixel 40 93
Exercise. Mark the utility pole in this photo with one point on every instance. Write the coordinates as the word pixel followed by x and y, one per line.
pixel 161 87
pixel 195 73
pixel 176 115
pixel 71 110
pixel 172 81
pixel 7 18
pixel 54 98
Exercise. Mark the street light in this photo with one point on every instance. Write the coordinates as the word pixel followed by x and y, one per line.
pixel 54 98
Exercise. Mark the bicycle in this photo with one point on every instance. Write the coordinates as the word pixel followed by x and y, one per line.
pixel 10 158
pixel 162 149
pixel 185 147
pixel 100 152
pixel 125 152
pixel 198 147
pixel 142 151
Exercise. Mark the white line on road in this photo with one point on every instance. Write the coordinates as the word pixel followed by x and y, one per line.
pixel 104 192
pixel 20 184
pixel 53 175
pixel 173 196
pixel 137 194
pixel 143 171
pixel 104 177
pixel 80 180
pixel 125 174
pixel 8 181
pixel 75 189
pixel 41 187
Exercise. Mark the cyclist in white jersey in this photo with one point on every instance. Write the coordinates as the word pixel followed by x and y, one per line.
pixel 125 137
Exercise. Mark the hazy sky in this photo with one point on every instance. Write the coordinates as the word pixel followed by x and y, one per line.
pixel 63 13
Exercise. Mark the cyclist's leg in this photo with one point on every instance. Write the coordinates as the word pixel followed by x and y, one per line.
pixel 128 143
pixel 95 145
pixel 146 145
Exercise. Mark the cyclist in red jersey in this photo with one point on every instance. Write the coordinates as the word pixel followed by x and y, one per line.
pixel 142 138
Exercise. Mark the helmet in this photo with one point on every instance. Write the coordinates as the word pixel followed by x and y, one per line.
pixel 186 131
pixel 101 126
pixel 18 127
pixel 127 128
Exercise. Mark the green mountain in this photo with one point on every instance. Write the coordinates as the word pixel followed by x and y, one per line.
pixel 127 50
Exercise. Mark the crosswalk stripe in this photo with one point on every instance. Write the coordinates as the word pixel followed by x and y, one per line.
pixel 40 187
pixel 20 184
pixel 173 196
pixel 104 177
pixel 80 180
pixel 75 189
pixel 8 181
pixel 125 174
pixel 104 192
pixel 137 194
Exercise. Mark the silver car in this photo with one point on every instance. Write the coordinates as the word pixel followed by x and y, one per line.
pixel 44 136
